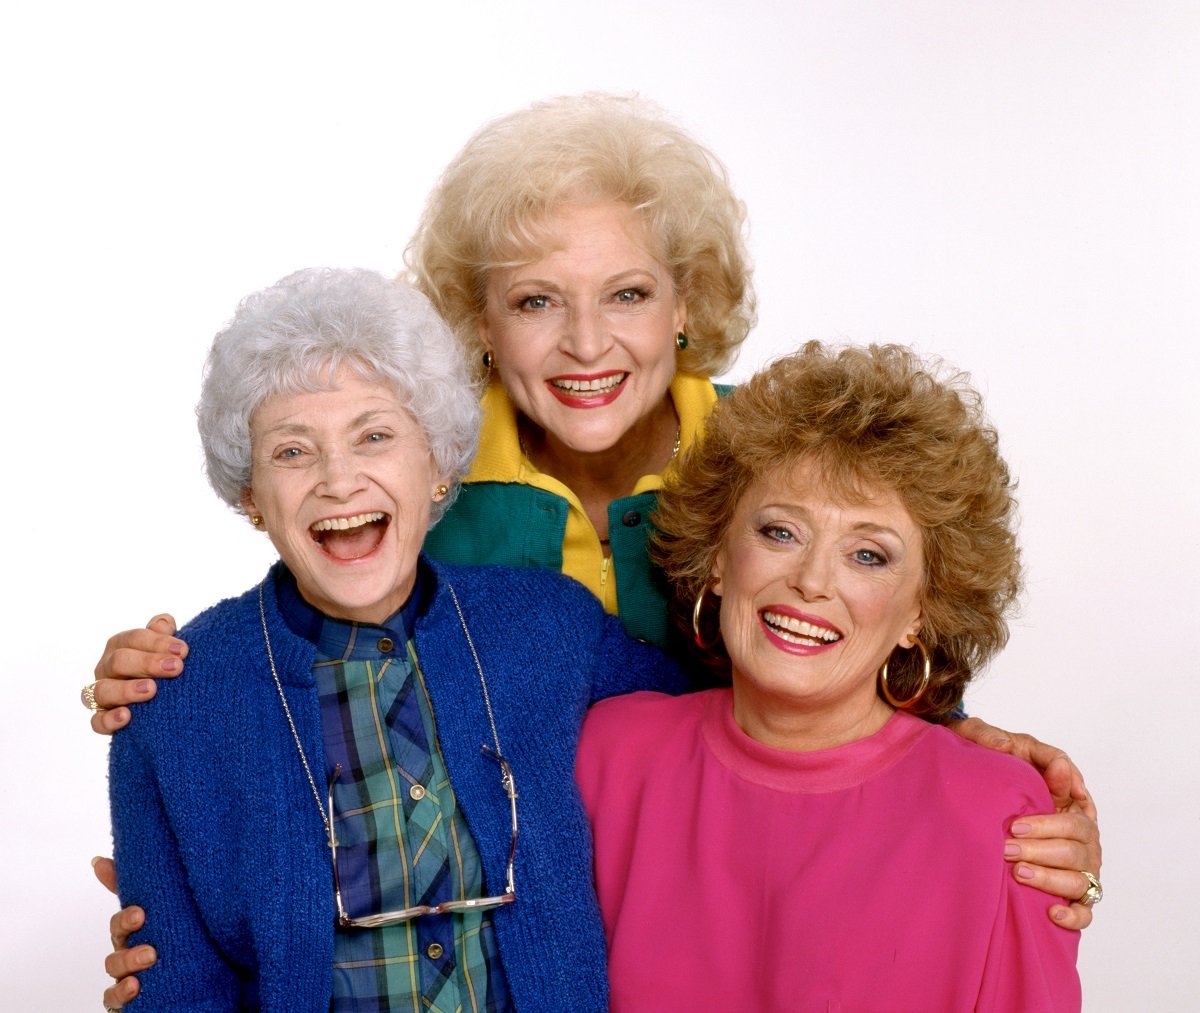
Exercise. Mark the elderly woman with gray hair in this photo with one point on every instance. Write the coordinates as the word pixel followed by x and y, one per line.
pixel 324 813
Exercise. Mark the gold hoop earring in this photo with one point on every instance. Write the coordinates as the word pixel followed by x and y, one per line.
pixel 911 701
pixel 696 609
pixel 489 360
pixel 440 491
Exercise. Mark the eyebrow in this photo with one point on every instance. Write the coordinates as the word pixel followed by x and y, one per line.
pixel 862 527
pixel 620 276
pixel 866 527
pixel 296 429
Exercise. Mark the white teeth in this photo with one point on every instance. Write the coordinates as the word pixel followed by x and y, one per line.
pixel 604 383
pixel 346 523
pixel 794 630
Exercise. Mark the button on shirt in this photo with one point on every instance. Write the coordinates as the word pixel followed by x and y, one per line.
pixel 402 840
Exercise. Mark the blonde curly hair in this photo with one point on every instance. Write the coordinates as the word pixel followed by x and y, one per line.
pixel 491 207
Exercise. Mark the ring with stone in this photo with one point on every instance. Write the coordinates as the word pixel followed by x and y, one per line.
pixel 1094 894
pixel 88 696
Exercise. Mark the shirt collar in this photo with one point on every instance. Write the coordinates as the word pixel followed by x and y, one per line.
pixel 345 639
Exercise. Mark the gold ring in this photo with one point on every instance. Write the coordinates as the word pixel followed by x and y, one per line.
pixel 1094 894
pixel 88 696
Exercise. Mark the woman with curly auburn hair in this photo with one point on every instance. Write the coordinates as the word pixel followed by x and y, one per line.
pixel 865 419
pixel 841 543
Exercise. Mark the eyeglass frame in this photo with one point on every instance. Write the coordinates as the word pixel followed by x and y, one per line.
pixel 344 921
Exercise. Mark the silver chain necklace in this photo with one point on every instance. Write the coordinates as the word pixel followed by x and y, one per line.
pixel 287 711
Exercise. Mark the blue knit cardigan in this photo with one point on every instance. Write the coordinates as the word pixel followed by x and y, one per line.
pixel 217 834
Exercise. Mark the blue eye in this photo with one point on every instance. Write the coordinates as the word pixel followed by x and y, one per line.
pixel 776 533
pixel 631 295
pixel 869 557
pixel 535 302
pixel 289 453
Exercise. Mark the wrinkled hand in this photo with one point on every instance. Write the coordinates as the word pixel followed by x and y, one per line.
pixel 122 964
pixel 128 658
pixel 1048 851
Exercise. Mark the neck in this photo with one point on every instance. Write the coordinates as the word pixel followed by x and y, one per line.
pixel 600 477
pixel 782 722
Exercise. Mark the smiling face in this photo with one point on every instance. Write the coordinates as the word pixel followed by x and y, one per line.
pixel 584 337
pixel 343 479
pixel 815 595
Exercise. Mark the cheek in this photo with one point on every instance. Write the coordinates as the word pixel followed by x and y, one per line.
pixel 888 610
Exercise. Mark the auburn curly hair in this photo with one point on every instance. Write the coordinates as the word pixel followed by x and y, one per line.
pixel 869 419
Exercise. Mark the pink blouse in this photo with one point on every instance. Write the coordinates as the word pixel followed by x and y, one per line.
pixel 734 876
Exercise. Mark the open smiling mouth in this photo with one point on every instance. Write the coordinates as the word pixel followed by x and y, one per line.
pixel 595 387
pixel 797 631
pixel 350 538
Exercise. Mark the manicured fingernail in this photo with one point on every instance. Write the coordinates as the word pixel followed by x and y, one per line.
pixel 95 860
pixel 1060 914
pixel 144 686
pixel 170 665
pixel 1012 850
pixel 1020 829
pixel 1024 872
pixel 177 647
pixel 119 717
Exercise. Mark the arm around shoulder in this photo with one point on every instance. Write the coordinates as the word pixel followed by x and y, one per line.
pixel 624 665
pixel 190 974
pixel 1031 962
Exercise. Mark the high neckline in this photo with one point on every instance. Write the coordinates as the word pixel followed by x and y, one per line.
pixel 815 772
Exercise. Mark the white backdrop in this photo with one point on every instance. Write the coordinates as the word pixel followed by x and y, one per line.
pixel 1011 185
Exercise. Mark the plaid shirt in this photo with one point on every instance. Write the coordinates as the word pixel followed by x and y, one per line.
pixel 401 838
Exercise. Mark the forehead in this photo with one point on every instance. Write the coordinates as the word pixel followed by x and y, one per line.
pixel 599 226
pixel 341 395
pixel 814 486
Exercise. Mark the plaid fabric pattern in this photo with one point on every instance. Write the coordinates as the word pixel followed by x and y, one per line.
pixel 401 838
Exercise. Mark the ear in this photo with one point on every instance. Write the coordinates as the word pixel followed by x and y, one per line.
pixel 680 314
pixel 906 639
pixel 718 569
pixel 247 502
pixel 440 480
pixel 484 331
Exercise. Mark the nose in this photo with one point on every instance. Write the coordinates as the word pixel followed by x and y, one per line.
pixel 586 336
pixel 340 475
pixel 812 576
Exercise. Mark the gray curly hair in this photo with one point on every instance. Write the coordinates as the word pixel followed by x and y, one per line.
pixel 288 338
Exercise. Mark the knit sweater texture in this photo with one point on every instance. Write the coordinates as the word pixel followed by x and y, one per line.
pixel 217 833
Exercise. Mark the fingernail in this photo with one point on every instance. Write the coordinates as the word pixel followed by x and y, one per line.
pixel 95 860
pixel 145 957
pixel 170 665
pixel 1060 914
pixel 144 686
pixel 1024 872
pixel 1012 850
pixel 119 717
pixel 1020 829
pixel 177 647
